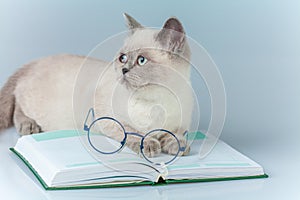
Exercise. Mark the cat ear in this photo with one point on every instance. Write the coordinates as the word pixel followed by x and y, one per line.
pixel 131 22
pixel 172 36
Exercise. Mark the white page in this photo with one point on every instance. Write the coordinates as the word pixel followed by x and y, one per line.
pixel 65 159
pixel 223 161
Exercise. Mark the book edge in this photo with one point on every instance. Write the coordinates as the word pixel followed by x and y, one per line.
pixel 172 181
pixel 42 182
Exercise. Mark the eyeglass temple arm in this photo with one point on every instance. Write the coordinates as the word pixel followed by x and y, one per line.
pixel 186 135
pixel 91 112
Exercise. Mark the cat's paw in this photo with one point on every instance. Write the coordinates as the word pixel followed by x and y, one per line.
pixel 28 127
pixel 151 147
pixel 170 146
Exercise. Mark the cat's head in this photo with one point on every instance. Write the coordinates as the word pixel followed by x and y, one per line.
pixel 150 55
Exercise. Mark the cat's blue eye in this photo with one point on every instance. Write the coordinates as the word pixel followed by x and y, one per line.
pixel 141 60
pixel 123 58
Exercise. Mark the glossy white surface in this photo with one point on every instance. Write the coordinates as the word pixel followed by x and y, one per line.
pixel 280 162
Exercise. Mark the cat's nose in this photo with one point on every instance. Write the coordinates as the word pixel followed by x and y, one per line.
pixel 125 70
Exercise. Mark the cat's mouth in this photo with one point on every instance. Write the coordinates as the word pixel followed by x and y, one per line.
pixel 127 82
pixel 132 82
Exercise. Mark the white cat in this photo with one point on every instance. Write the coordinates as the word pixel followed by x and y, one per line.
pixel 147 86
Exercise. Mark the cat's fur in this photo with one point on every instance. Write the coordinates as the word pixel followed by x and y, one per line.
pixel 38 97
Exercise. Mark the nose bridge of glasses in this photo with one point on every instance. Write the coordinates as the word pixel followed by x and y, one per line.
pixel 134 134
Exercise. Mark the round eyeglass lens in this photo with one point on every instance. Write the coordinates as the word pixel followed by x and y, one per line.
pixel 160 147
pixel 106 135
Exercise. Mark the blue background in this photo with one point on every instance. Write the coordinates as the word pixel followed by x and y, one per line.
pixel 255 44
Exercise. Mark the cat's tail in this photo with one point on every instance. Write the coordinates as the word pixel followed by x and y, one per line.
pixel 7 100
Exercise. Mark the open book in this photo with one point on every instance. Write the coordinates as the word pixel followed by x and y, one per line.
pixel 60 160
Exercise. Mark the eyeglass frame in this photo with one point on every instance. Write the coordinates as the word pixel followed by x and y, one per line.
pixel 123 142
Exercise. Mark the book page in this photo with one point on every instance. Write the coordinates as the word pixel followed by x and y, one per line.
pixel 223 160
pixel 66 155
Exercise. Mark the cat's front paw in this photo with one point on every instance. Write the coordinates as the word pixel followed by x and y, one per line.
pixel 151 147
pixel 170 146
pixel 28 127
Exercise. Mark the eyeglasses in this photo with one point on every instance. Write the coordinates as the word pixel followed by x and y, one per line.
pixel 107 135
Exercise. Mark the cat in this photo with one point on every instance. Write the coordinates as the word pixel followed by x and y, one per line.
pixel 142 82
